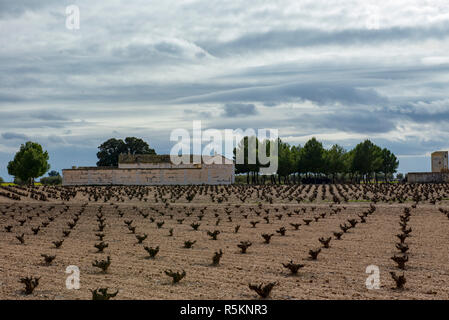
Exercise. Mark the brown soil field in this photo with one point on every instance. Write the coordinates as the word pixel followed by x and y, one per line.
pixel 339 272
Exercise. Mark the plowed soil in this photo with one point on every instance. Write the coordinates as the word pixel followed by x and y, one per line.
pixel 338 273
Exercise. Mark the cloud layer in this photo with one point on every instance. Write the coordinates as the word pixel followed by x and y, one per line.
pixel 342 71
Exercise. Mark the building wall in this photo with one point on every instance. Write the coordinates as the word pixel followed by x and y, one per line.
pixel 439 161
pixel 203 174
pixel 158 166
pixel 427 177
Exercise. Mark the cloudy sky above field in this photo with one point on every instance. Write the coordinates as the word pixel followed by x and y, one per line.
pixel 342 71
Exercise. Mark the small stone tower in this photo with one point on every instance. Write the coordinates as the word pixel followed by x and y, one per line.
pixel 440 161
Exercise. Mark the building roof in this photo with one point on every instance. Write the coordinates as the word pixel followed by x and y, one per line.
pixel 164 158
pixel 439 153
pixel 143 158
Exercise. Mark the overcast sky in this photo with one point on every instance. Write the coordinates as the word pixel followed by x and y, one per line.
pixel 341 71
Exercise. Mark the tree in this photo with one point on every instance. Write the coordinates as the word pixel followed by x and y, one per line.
pixel 242 167
pixel 54 173
pixel 110 151
pixel 367 159
pixel 360 162
pixel 137 146
pixel 268 159
pixel 51 180
pixel 30 162
pixel 312 157
pixel 377 161
pixel 247 151
pixel 1 180
pixel 54 178
pixel 347 161
pixel 286 160
pixel 18 181
pixel 389 163
pixel 296 160
pixel 112 148
pixel 335 160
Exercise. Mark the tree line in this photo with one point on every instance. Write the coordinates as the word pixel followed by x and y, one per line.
pixel 32 161
pixel 312 163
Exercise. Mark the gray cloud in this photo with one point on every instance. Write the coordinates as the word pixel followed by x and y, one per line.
pixel 48 115
pixel 196 113
pixel 10 98
pixel 279 39
pixel 55 139
pixel 14 136
pixel 239 109
pixel 321 93
pixel 167 47
pixel 304 67
pixel 356 121
pixel 422 111
pixel 17 8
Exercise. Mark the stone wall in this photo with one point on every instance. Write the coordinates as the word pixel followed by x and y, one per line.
pixel 427 177
pixel 202 174
pixel 439 161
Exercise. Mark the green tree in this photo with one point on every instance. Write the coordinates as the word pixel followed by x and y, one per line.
pixel 377 161
pixel 312 157
pixel 348 160
pixel 137 146
pixel 1 180
pixel 335 161
pixel 296 160
pixel 286 161
pixel 110 151
pixel 389 163
pixel 364 160
pixel 112 148
pixel 51 180
pixel 54 173
pixel 367 159
pixel 18 181
pixel 268 159
pixel 30 162
pixel 246 150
